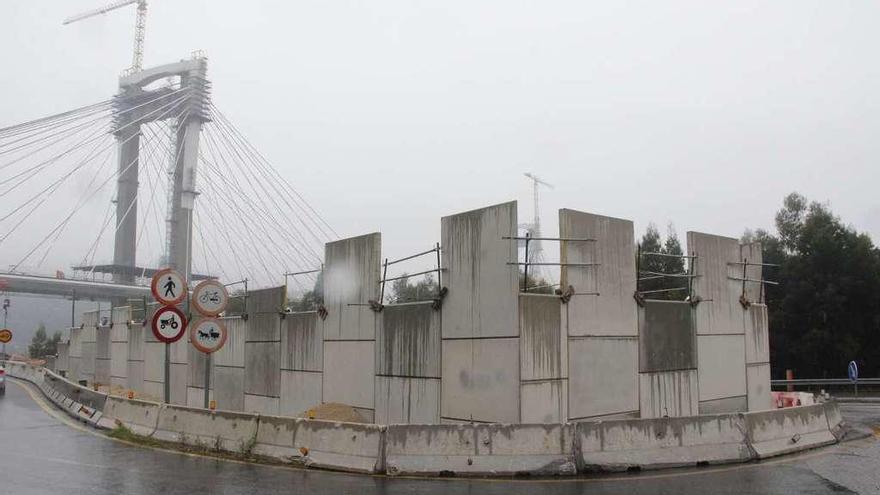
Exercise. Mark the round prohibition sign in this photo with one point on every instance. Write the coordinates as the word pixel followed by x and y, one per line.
pixel 208 335
pixel 169 324
pixel 5 336
pixel 210 298
pixel 168 287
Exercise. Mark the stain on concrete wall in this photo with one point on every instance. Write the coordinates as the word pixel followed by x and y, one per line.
pixel 603 376
pixel 302 342
pixel 481 380
pixel 351 276
pixel 668 394
pixel 667 339
pixel 408 343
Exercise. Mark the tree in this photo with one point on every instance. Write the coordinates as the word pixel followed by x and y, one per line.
pixel 404 291
pixel 652 262
pixel 826 309
pixel 310 299
pixel 41 345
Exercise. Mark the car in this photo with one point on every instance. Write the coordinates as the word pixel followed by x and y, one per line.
pixel 2 380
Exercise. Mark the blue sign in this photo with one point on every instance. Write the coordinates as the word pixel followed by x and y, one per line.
pixel 853 371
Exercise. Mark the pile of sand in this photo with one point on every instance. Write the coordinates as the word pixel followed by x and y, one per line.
pixel 333 411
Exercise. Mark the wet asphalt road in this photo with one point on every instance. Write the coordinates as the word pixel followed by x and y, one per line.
pixel 44 452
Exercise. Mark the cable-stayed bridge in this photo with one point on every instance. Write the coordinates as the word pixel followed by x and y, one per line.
pixel 155 176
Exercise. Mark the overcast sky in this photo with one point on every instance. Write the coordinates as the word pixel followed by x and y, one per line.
pixel 389 114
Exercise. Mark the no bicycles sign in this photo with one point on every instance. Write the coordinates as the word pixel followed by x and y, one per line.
pixel 210 298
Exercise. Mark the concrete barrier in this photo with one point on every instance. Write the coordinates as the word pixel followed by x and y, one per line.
pixel 275 435
pixel 139 416
pixel 472 449
pixel 836 424
pixel 782 431
pixel 83 395
pixel 225 430
pixel 619 445
pixel 350 447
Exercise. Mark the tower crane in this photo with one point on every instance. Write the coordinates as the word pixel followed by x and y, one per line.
pixel 536 251
pixel 137 60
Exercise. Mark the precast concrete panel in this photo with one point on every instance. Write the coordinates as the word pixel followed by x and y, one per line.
pixel 758 379
pixel 154 361
pixel 264 309
pixel 668 394
pixel 136 342
pixel 90 319
pixel 613 310
pixel 667 340
pixel 102 372
pixel 120 314
pixel 300 391
pixel 757 335
pixel 261 404
pixel 543 342
pixel 482 298
pixel 407 400
pixel 195 396
pixel 302 342
pixel 725 405
pixel 544 401
pixel 349 370
pixel 102 343
pixel 232 352
pixel 408 341
pixel 722 367
pixel 263 373
pixel 229 388
pixel 752 253
pixel 351 276
pixel 480 380
pixel 603 376
pixel 118 360
pixel 178 383
pixel 89 354
pixel 134 379
pixel 75 342
pixel 715 267
pixel 63 361
pixel 197 361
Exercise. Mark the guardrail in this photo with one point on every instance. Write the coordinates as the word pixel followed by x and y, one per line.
pixel 825 381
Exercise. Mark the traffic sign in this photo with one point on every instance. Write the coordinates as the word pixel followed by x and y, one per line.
pixel 168 287
pixel 210 298
pixel 5 335
pixel 208 335
pixel 853 371
pixel 169 324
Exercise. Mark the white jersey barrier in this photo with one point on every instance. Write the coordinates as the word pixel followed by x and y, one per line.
pixel 459 450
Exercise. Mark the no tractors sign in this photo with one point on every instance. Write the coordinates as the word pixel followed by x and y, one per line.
pixel 169 324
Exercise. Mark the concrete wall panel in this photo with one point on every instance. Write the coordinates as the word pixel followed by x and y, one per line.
pixel 351 276
pixel 483 290
pixel 263 373
pixel 758 378
pixel 613 311
pixel 543 342
pixel 229 388
pixel 603 376
pixel 349 368
pixel 264 308
pixel 118 360
pixel 667 339
pixel 721 312
pixel 408 341
pixel 481 380
pixel 178 383
pixel 726 405
pixel 302 342
pixel 721 366
pixel 300 391
pixel 134 379
pixel 232 352
pixel 544 401
pixel 668 394
pixel 261 404
pixel 752 253
pixel 407 400
pixel 757 335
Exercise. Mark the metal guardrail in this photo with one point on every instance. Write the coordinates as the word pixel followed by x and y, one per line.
pixel 825 381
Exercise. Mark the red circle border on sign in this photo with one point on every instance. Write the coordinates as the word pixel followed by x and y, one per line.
pixel 195 299
pixel 155 323
pixel 195 342
pixel 171 302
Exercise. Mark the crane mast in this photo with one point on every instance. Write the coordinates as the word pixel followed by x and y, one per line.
pixel 140 28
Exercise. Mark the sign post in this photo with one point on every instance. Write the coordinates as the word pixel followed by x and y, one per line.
pixel 209 298
pixel 169 323
pixel 853 371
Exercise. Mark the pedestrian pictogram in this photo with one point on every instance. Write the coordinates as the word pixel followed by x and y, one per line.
pixel 210 298
pixel 5 335
pixel 169 324
pixel 208 335
pixel 168 287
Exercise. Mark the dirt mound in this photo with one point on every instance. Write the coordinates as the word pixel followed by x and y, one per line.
pixel 332 411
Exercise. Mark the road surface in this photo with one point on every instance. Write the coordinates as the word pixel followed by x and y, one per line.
pixel 45 452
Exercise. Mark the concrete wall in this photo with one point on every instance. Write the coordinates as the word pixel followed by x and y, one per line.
pixel 480 332
pixel 351 280
pixel 228 364
pixel 62 364
pixel 543 359
pixel 262 350
pixel 302 362
pixel 603 347
pixel 102 355
pixel 758 358
pixel 75 355
pixel 88 346
pixel 120 318
pixel 667 360
pixel 719 322
pixel 408 364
